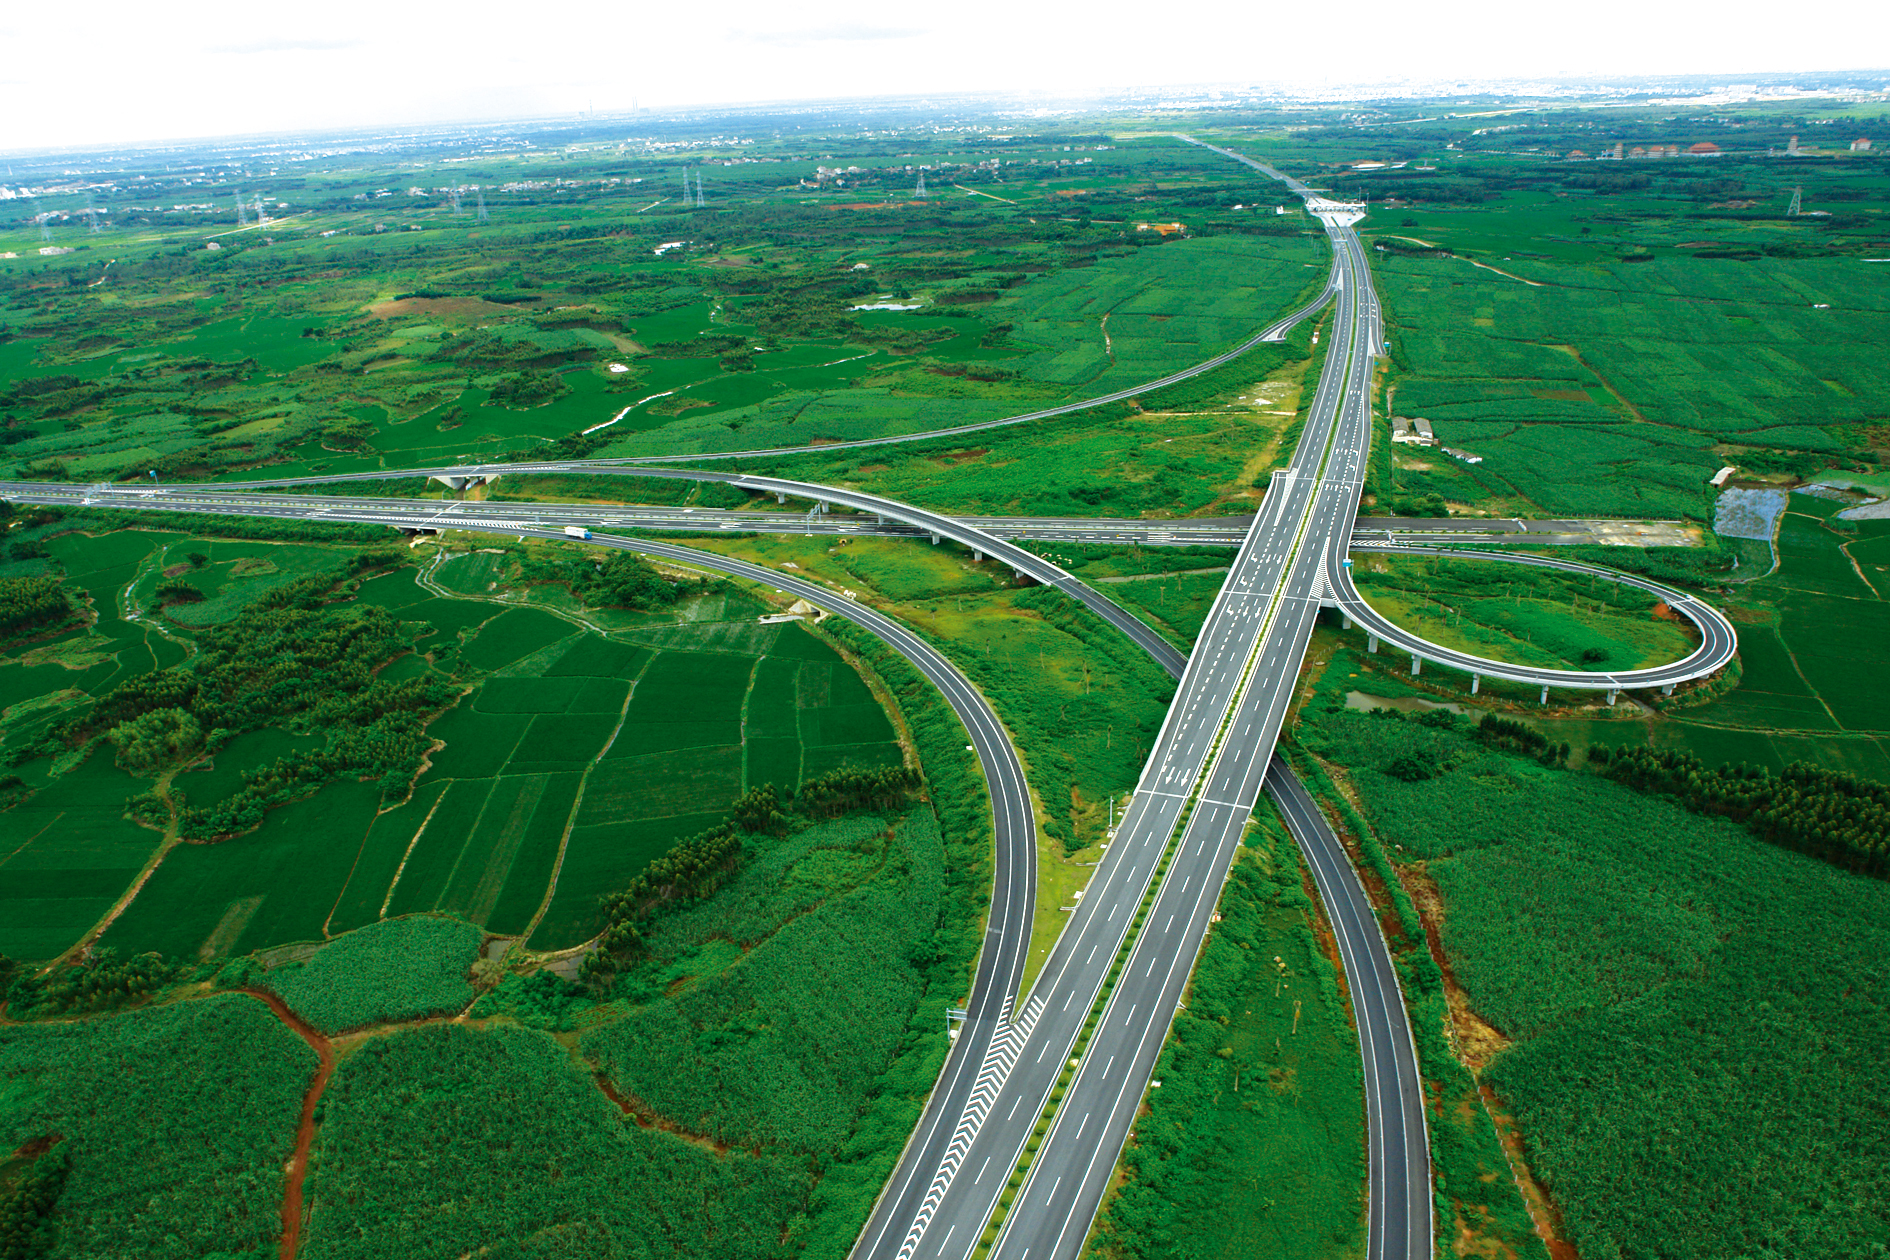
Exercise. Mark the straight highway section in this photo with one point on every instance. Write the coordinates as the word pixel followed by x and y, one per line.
pixel 1203 779
pixel 1071 1169
pixel 1194 531
pixel 1183 824
pixel 430 514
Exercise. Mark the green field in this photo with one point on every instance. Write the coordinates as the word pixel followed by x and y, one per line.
pixel 517 790
pixel 1522 615
pixel 1253 1144
pixel 1660 976
pixel 219 1083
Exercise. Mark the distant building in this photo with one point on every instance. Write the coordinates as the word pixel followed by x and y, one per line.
pixel 1861 145
pixel 1617 150
pixel 47 251
pixel 1413 431
pixel 1576 155
pixel 211 245
pixel 1465 456
pixel 1637 152
pixel 1705 148
pixel 1791 150
pixel 1719 478
pixel 1166 229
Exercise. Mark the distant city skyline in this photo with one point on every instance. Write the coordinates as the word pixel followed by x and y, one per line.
pixel 142 73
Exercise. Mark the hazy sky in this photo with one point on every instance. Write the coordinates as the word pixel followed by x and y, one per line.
pixel 112 70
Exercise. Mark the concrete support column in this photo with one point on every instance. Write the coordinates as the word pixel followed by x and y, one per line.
pixel 977 557
pixel 1371 643
pixel 1612 693
pixel 1667 690
pixel 1346 618
pixel 1545 695
pixel 1417 664
pixel 935 540
pixel 1476 683
pixel 779 497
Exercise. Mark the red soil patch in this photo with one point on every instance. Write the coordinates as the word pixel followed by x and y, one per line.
pixel 38 1146
pixel 961 457
pixel 305 1128
pixel 646 1117
pixel 445 308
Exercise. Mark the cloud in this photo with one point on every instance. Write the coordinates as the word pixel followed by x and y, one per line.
pixel 851 32
pixel 290 45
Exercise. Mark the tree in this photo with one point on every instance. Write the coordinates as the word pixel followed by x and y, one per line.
pixel 150 742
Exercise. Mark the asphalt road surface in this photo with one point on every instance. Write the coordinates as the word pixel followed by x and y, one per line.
pixel 1718 640
pixel 1162 871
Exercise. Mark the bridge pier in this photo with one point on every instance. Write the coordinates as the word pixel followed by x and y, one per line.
pixel 1612 693
pixel 1371 643
pixel 1346 618
pixel 1667 690
pixel 779 497
pixel 935 540
pixel 977 557
pixel 1545 695
pixel 1417 664
pixel 453 481
pixel 1476 683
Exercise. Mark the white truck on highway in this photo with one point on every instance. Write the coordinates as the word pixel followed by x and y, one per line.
pixel 577 531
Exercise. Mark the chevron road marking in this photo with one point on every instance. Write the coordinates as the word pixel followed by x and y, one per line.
pixel 998 1061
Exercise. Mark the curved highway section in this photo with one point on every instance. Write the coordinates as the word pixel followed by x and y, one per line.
pixel 1168 859
pixel 1275 331
pixel 1718 640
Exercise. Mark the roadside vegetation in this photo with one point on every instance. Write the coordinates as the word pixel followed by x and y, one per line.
pixel 1254 1142
pixel 315 832
pixel 1634 986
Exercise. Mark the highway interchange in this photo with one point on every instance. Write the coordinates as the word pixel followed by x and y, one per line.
pixel 1165 866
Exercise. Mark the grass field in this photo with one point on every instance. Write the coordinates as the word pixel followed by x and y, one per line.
pixel 1601 385
pixel 1254 1143
pixel 1670 996
pixel 401 969
pixel 218 1083
pixel 1524 616
pixel 515 787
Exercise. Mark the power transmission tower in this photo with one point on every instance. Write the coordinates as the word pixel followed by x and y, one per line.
pixel 40 217
pixel 1798 197
pixel 919 192
pixel 454 193
pixel 262 219
pixel 700 202
pixel 242 211
pixel 482 216
pixel 91 213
